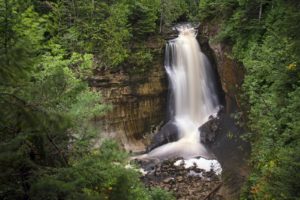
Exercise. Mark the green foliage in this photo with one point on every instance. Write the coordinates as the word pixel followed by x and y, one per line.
pixel 159 194
pixel 115 35
pixel 13 39
pixel 110 30
pixel 100 175
pixel 48 147
pixel 172 10
pixel 209 9
pixel 264 39
pixel 143 17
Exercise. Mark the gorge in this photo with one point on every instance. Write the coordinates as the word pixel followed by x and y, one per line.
pixel 194 94
pixel 119 99
pixel 194 99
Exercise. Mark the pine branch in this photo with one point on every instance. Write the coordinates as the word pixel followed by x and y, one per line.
pixel 58 149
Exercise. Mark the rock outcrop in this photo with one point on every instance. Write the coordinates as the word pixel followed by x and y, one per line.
pixel 167 133
pixel 138 104
pixel 209 130
pixel 228 146
pixel 231 73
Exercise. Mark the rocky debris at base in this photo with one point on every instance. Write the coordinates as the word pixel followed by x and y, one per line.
pixel 185 183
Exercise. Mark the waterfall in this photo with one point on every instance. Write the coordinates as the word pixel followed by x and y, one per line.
pixel 189 71
pixel 194 95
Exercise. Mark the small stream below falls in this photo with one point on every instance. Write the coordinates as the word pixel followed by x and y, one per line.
pixel 194 100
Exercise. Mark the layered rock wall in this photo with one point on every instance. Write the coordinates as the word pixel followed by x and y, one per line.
pixel 138 104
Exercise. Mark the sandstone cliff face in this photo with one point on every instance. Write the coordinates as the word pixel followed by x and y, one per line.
pixel 231 73
pixel 138 104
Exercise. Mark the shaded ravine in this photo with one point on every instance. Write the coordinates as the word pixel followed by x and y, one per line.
pixel 194 100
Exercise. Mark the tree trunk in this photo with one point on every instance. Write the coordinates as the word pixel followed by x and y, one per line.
pixel 75 9
pixel 260 12
pixel 93 8
pixel 6 33
pixel 161 16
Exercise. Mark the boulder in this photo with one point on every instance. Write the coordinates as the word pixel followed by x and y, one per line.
pixel 168 133
pixel 209 130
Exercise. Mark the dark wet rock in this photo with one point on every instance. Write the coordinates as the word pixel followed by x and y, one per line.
pixel 184 183
pixel 168 133
pixel 209 130
pixel 147 165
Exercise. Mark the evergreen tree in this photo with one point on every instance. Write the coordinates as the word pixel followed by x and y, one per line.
pixel 263 38
pixel 47 147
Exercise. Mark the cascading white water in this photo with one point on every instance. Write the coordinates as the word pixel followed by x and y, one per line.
pixel 189 72
pixel 195 98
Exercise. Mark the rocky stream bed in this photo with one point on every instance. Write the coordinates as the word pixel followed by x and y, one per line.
pixel 186 183
pixel 197 181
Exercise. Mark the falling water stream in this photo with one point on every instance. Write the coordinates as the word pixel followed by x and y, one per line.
pixel 195 98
